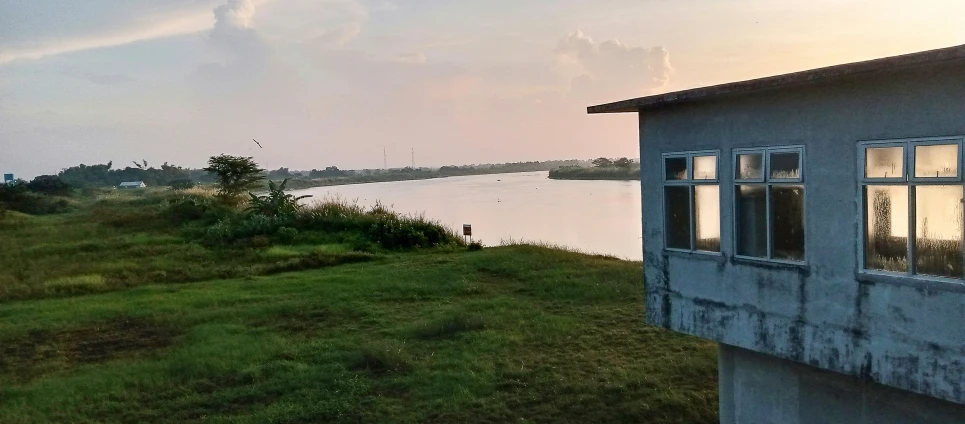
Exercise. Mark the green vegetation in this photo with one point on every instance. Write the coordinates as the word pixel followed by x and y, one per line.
pixel 621 169
pixel 171 306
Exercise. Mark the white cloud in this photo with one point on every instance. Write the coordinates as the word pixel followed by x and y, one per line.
pixel 611 70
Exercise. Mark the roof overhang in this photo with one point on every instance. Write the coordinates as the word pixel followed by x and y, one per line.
pixel 797 78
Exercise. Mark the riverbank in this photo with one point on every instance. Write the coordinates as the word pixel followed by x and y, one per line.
pixel 112 314
pixel 409 174
pixel 596 173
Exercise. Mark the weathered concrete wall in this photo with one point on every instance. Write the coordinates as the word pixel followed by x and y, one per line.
pixel 763 389
pixel 898 332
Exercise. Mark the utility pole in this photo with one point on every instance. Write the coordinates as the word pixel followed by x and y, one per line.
pixel 413 158
pixel 385 160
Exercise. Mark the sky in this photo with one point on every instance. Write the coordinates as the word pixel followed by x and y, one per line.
pixel 334 82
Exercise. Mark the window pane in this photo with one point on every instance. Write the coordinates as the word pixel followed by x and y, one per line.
pixel 676 168
pixel 707 212
pixel 886 224
pixel 785 165
pixel 884 162
pixel 938 230
pixel 677 202
pixel 936 161
pixel 752 221
pixel 705 167
pixel 787 222
pixel 750 166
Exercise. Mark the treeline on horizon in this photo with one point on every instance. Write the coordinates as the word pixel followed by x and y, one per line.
pixel 107 175
pixel 602 169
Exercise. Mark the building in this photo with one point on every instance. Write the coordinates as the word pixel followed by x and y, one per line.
pixel 778 216
pixel 132 184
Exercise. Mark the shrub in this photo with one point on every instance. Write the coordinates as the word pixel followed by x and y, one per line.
pixel 475 246
pixel 286 234
pixel 276 202
pixel 16 196
pixel 182 184
pixel 189 208
pixel 49 184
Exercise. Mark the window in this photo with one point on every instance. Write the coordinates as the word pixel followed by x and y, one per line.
pixel 769 203
pixel 692 201
pixel 912 187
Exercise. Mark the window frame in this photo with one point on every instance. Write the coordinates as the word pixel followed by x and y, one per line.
pixel 767 182
pixel 690 183
pixel 911 183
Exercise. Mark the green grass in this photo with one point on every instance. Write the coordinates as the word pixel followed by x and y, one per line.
pixel 516 333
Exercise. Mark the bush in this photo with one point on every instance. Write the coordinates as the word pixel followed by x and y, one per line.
pixel 475 246
pixel 182 184
pixel 189 208
pixel 286 234
pixel 49 184
pixel 16 196
pixel 276 202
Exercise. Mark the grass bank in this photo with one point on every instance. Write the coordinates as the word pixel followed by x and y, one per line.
pixel 596 173
pixel 95 329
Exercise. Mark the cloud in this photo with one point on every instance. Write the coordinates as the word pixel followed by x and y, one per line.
pixel 415 58
pixel 40 28
pixel 611 70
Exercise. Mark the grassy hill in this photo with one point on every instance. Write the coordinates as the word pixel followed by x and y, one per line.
pixel 105 317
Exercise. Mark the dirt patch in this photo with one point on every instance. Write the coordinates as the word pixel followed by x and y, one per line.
pixel 44 351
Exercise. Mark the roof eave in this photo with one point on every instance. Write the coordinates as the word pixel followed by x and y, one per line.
pixel 797 78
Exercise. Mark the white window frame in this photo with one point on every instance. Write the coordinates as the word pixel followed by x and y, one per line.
pixel 689 182
pixel 911 182
pixel 767 182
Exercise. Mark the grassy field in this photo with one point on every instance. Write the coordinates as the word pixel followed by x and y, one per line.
pixel 105 318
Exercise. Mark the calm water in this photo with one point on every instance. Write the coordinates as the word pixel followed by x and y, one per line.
pixel 593 216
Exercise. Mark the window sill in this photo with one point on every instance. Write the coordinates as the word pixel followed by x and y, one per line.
pixel 696 254
pixel 771 263
pixel 918 282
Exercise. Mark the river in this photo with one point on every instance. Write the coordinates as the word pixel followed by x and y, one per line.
pixel 591 216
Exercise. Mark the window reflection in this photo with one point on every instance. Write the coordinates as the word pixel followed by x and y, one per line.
pixel 752 221
pixel 936 161
pixel 884 162
pixel 750 166
pixel 676 168
pixel 677 204
pixel 705 167
pixel 707 212
pixel 938 230
pixel 785 165
pixel 886 222
pixel 787 221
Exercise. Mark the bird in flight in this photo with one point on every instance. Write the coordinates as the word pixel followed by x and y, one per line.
pixel 256 142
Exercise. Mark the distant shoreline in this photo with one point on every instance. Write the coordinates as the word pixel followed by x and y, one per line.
pixel 606 173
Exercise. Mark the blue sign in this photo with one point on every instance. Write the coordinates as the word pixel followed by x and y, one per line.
pixel 7 178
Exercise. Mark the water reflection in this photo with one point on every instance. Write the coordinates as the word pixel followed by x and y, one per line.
pixel 595 216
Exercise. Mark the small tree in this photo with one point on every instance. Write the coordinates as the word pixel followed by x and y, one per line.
pixel 276 202
pixel 234 175
pixel 602 162
pixel 622 163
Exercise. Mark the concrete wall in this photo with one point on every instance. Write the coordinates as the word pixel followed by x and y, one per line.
pixel 763 389
pixel 900 332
